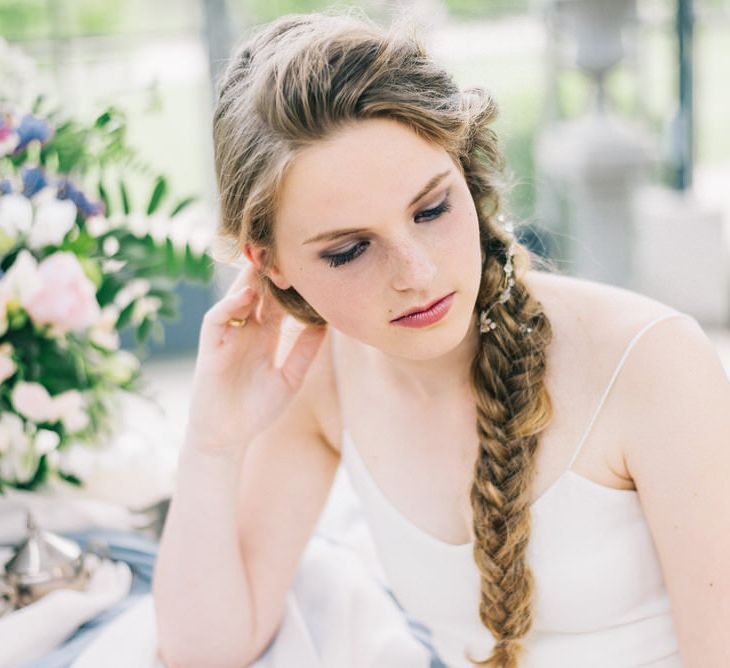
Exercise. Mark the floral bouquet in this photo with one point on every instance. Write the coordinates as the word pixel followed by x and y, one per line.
pixel 79 263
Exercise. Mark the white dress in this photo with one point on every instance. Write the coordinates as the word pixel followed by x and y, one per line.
pixel 600 598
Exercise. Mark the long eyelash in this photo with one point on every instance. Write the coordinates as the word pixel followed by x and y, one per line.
pixel 349 255
pixel 436 211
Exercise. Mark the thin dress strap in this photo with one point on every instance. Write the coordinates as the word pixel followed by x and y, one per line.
pixel 618 368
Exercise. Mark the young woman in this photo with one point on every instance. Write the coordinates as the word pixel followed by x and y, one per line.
pixel 542 459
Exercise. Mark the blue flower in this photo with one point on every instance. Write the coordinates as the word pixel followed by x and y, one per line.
pixel 67 190
pixel 34 180
pixel 5 187
pixel 30 129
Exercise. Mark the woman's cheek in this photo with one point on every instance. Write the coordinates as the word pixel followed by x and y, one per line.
pixel 337 298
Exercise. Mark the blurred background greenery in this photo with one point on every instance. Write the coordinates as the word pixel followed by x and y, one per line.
pixel 148 58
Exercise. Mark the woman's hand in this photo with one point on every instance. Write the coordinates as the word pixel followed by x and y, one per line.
pixel 237 390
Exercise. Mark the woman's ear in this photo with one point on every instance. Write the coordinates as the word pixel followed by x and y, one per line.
pixel 257 256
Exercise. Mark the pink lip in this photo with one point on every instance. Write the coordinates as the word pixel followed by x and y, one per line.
pixel 427 316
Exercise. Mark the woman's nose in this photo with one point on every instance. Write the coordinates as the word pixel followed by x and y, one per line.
pixel 413 268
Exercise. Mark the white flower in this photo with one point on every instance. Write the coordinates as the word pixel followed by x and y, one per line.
pixel 22 280
pixel 97 225
pixel 194 227
pixel 18 460
pixel 138 224
pixel 104 332
pixel 53 220
pixel 7 365
pixel 70 409
pixel 121 367
pixel 117 220
pixel 16 214
pixel 112 266
pixel 158 227
pixel 200 240
pixel 136 288
pixel 44 195
pixel 11 432
pixel 110 246
pixel 46 441
pixel 33 402
pixel 144 307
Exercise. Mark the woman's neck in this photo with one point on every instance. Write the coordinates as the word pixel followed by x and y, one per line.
pixel 442 377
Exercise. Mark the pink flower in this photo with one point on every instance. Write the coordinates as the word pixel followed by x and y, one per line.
pixel 7 365
pixel 32 401
pixel 66 298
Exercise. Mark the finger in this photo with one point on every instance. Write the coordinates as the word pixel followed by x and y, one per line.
pixel 301 355
pixel 269 312
pixel 236 305
pixel 247 276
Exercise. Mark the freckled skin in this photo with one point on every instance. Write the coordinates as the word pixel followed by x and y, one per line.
pixel 365 176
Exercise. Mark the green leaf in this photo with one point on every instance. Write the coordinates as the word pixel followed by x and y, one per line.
pixel 126 208
pixel 125 316
pixel 158 193
pixel 37 104
pixel 82 246
pixel 70 478
pixel 143 331
pixel 104 196
pixel 198 267
pixel 183 203
pixel 190 264
pixel 103 119
pixel 173 265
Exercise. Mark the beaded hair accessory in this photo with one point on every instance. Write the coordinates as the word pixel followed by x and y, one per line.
pixel 486 324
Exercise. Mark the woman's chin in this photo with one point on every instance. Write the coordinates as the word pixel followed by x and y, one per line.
pixel 433 342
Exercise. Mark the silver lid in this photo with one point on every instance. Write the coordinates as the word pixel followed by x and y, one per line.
pixel 43 557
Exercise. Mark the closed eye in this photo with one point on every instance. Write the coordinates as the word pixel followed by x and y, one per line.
pixel 427 215
pixel 435 212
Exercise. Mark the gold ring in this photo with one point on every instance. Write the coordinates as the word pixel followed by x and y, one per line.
pixel 236 322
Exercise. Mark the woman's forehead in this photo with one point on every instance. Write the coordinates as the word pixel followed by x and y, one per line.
pixel 369 167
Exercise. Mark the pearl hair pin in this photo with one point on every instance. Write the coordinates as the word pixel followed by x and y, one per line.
pixel 486 324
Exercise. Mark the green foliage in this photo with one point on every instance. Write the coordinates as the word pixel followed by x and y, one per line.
pixel 23 19
pixel 124 252
pixel 158 193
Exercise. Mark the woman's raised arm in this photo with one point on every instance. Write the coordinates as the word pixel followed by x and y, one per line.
pixel 253 475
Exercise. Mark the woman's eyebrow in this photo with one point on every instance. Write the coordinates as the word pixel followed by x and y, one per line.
pixel 432 183
pixel 336 234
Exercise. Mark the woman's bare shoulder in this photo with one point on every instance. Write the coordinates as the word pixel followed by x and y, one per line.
pixel 593 323
pixel 598 312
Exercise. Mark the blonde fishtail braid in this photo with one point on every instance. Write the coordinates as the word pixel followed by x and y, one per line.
pixel 513 406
